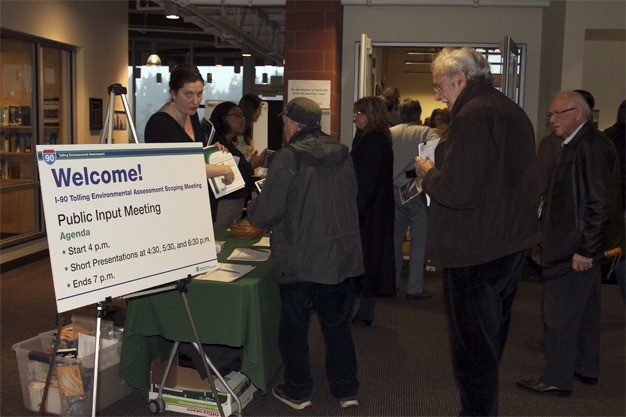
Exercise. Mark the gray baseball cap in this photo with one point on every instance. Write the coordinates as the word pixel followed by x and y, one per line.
pixel 303 111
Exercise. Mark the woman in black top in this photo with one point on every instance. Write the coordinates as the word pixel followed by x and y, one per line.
pixel 250 105
pixel 229 122
pixel 177 120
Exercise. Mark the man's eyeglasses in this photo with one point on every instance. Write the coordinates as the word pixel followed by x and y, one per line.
pixel 237 114
pixel 438 87
pixel 559 112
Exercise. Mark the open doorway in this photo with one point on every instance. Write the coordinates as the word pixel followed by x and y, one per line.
pixel 407 67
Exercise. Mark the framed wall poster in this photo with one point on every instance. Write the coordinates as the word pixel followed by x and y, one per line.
pixel 120 121
pixel 95 114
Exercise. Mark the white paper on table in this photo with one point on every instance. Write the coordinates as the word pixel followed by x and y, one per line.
pixel 427 149
pixel 226 272
pixel 249 254
pixel 265 241
pixel 213 156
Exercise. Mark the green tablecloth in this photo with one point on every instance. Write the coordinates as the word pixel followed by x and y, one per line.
pixel 241 313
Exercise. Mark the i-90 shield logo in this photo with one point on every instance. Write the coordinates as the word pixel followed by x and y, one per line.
pixel 49 156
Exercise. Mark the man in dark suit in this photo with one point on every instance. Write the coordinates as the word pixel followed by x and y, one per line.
pixel 581 203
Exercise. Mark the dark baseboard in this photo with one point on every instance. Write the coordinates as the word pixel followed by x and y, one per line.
pixel 24 260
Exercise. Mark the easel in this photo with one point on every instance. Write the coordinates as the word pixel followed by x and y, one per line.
pixel 180 285
pixel 157 405
pixel 107 130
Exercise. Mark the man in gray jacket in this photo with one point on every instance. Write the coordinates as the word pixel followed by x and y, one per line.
pixel 309 203
pixel 412 213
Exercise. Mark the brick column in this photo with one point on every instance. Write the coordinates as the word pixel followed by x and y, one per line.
pixel 313 38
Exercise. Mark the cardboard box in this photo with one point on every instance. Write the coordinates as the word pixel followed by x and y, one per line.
pixel 185 392
pixel 33 359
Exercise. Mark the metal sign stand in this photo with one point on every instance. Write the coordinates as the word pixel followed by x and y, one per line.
pixel 156 406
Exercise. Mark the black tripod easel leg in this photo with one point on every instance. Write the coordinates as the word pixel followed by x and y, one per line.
pixel 52 364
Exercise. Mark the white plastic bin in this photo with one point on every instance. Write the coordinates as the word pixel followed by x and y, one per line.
pixel 33 368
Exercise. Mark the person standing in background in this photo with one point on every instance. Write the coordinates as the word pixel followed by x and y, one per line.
pixel 412 214
pixel 309 203
pixel 441 125
pixel 583 202
pixel 250 105
pixel 616 133
pixel 482 218
pixel 548 157
pixel 373 161
pixel 229 122
pixel 391 97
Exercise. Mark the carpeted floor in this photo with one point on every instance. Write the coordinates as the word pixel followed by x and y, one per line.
pixel 404 362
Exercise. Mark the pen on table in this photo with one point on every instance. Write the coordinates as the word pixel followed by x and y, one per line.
pixel 259 250
pixel 228 270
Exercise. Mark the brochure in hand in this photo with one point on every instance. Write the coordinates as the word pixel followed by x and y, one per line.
pixel 213 156
pixel 410 190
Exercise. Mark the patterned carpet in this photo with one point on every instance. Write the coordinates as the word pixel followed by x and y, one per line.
pixel 404 362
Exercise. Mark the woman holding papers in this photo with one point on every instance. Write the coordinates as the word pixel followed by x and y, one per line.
pixel 250 105
pixel 229 122
pixel 178 121
pixel 373 162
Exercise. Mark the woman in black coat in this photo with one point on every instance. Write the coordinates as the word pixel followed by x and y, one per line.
pixel 373 161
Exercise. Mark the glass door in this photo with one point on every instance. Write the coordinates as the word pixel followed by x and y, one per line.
pixel 55 95
pixel 511 56
pixel 35 108
pixel 18 131
pixel 365 80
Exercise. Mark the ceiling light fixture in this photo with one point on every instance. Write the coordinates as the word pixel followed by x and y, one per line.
pixel 172 10
pixel 153 61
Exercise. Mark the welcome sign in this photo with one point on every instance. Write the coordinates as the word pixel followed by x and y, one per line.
pixel 124 218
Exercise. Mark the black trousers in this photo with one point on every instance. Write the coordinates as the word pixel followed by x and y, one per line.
pixel 572 313
pixel 478 301
pixel 333 304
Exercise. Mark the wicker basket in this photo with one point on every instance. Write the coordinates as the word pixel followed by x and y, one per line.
pixel 243 229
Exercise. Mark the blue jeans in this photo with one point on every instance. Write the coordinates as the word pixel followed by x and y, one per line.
pixel 333 304
pixel 478 301
pixel 413 214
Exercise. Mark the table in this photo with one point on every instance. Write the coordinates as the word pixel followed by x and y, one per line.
pixel 244 312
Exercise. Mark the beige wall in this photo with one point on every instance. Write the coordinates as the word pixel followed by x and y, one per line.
pixel 594 53
pixel 440 25
pixel 99 31
pixel 566 61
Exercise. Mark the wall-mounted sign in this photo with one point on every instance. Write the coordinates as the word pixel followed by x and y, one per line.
pixel 316 90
